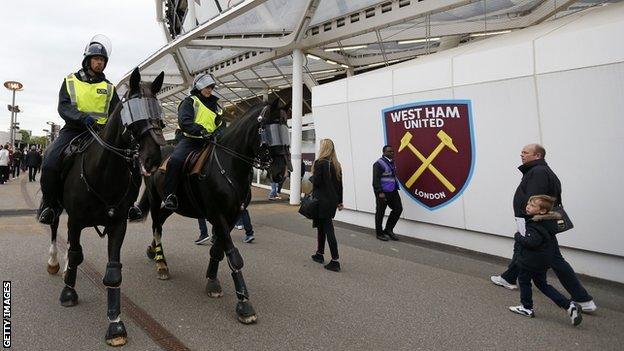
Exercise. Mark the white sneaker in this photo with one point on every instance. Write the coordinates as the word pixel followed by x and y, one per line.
pixel 588 306
pixel 574 312
pixel 500 281
pixel 522 311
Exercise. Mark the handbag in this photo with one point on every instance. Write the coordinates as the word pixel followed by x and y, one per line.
pixel 309 206
pixel 564 223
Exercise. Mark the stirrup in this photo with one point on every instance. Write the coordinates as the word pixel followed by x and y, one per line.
pixel 171 202
pixel 135 214
pixel 47 216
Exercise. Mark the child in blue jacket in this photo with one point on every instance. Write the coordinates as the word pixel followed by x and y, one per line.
pixel 534 257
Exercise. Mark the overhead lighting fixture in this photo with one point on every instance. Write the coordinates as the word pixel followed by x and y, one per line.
pixel 414 41
pixel 331 62
pixel 313 57
pixel 352 47
pixel 485 34
pixel 345 66
pixel 325 71
pixel 270 78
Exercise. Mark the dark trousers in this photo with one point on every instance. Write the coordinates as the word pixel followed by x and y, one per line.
pixel 4 174
pixel 174 166
pixel 539 279
pixel 32 173
pixel 325 229
pixel 562 269
pixel 51 182
pixel 392 200
pixel 16 168
pixel 203 228
pixel 245 220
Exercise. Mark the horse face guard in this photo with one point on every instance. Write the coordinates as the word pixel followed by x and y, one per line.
pixel 274 141
pixel 138 108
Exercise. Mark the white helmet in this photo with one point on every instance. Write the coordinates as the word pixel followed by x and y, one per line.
pixel 203 80
pixel 99 45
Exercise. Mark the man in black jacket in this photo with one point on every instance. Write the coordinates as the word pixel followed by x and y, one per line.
pixel 539 179
pixel 32 161
pixel 86 98
pixel 386 188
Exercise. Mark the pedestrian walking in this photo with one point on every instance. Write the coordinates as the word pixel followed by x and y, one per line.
pixel 534 256
pixel 386 188
pixel 203 232
pixel 32 161
pixel 538 178
pixel 4 163
pixel 327 189
pixel 17 162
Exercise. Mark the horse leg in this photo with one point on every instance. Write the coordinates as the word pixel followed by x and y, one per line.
pixel 116 334
pixel 213 286
pixel 158 218
pixel 244 309
pixel 53 263
pixel 69 297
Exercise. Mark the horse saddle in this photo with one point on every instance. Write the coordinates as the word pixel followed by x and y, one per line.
pixel 193 162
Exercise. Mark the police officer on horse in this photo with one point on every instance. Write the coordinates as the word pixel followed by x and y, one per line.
pixel 86 98
pixel 200 119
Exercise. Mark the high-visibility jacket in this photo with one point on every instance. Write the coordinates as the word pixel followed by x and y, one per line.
pixel 91 98
pixel 204 116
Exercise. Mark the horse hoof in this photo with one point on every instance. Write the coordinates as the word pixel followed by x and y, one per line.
pixel 162 270
pixel 246 313
pixel 69 297
pixel 150 252
pixel 213 288
pixel 53 269
pixel 116 334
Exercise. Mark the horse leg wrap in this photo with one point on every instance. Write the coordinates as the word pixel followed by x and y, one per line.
pixel 239 284
pixel 159 254
pixel 112 278
pixel 216 253
pixel 74 258
pixel 235 260
pixel 114 304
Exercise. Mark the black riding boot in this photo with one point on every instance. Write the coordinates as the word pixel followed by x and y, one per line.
pixel 51 187
pixel 171 183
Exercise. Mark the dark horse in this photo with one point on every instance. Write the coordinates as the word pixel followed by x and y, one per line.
pixel 259 138
pixel 102 183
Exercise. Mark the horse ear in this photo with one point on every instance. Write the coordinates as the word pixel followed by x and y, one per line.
pixel 275 104
pixel 157 83
pixel 135 80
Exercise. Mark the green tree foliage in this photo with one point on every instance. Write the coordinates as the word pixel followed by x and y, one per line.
pixel 25 136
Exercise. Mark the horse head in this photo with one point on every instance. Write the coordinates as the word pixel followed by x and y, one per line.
pixel 142 116
pixel 275 140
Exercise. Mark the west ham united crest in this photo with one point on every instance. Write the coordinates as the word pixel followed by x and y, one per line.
pixel 433 148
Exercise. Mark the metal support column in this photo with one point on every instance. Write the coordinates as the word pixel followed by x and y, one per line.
pixel 297 115
pixel 13 118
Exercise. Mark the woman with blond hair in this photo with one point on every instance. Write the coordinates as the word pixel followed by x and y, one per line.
pixel 327 188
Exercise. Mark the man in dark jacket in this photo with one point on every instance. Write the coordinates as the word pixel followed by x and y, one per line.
pixel 200 119
pixel 86 98
pixel 386 188
pixel 534 256
pixel 538 178
pixel 17 162
pixel 32 161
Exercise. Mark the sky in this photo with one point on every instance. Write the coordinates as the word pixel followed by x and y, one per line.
pixel 42 41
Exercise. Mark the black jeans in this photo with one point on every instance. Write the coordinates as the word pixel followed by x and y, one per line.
pixel 562 269
pixel 539 279
pixel 325 229
pixel 16 168
pixel 392 200
pixel 32 173
pixel 174 166
pixel 4 174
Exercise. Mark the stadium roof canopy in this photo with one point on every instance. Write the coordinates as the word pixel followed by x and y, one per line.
pixel 247 45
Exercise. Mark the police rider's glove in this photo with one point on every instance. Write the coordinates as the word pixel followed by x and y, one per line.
pixel 206 135
pixel 88 121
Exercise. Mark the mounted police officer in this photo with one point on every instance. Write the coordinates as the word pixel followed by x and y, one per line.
pixel 386 188
pixel 86 98
pixel 200 119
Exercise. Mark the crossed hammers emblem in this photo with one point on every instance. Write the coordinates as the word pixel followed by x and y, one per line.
pixel 445 141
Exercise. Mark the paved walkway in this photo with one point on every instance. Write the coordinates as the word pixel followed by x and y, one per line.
pixel 389 295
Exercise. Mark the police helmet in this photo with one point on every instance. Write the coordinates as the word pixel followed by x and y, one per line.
pixel 202 81
pixel 99 45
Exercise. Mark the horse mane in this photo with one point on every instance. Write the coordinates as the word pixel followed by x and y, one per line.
pixel 239 131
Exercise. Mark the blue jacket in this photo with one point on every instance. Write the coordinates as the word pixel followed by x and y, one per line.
pixel 536 248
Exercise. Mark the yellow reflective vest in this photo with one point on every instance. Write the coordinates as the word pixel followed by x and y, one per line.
pixel 91 98
pixel 204 116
